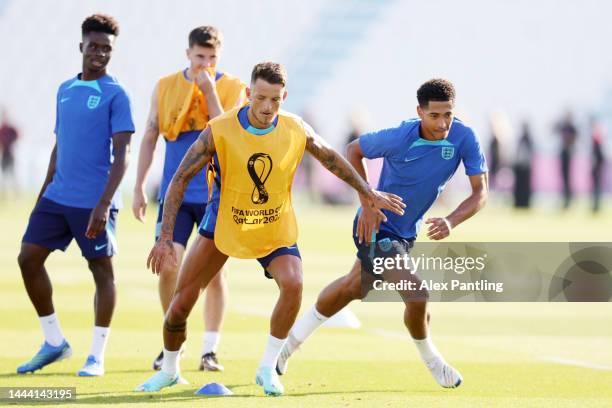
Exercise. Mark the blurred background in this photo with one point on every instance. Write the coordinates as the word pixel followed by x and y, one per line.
pixel 533 79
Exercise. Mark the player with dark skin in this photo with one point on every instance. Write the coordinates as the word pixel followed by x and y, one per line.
pixel 97 48
pixel 435 129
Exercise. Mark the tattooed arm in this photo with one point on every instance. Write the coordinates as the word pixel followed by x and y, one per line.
pixel 371 200
pixel 199 155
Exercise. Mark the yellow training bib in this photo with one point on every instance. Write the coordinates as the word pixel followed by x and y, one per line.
pixel 182 105
pixel 255 211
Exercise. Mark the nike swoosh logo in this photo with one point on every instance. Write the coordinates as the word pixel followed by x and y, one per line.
pixel 63 100
pixel 292 247
pixel 406 160
pixel 99 247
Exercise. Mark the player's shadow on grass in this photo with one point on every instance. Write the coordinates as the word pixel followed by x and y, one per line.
pixel 138 397
pixel 29 375
pixel 69 374
pixel 142 397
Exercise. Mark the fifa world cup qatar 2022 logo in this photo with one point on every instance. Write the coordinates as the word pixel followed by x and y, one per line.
pixel 259 167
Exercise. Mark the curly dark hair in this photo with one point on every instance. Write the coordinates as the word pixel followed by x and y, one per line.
pixel 205 36
pixel 271 72
pixel 436 90
pixel 101 23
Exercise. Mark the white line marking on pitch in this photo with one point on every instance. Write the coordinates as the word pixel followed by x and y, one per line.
pixel 577 363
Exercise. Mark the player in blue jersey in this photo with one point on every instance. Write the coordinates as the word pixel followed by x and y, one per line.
pixel 420 156
pixel 79 197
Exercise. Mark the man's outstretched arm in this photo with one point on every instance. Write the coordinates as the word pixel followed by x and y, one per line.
pixel 356 158
pixel 372 200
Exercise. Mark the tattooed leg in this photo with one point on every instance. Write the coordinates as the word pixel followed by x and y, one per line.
pixel 202 263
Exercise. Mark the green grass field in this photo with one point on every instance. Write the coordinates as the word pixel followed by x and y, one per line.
pixel 510 354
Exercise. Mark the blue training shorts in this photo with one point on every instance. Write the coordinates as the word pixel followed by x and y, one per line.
pixel 385 245
pixel 189 214
pixel 53 226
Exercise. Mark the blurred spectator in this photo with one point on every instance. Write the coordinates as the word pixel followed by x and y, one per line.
pixel 493 157
pixel 308 166
pixel 568 133
pixel 353 134
pixel 8 137
pixel 597 163
pixel 358 119
pixel 342 194
pixel 497 154
pixel 522 169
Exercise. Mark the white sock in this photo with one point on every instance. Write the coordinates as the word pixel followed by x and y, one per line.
pixel 273 349
pixel 427 349
pixel 307 324
pixel 98 345
pixel 52 330
pixel 170 363
pixel 211 342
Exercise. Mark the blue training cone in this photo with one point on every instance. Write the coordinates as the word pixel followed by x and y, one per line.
pixel 214 389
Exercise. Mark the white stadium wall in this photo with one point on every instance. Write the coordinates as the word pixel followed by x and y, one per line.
pixel 528 59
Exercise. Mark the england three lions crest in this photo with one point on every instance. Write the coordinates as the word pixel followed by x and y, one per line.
pixel 93 101
pixel 448 152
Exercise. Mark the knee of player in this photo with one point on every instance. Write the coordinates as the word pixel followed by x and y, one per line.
pixel 292 282
pixel 27 262
pixel 168 276
pixel 23 259
pixel 177 313
pixel 416 308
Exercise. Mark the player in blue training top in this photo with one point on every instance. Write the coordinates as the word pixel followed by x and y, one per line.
pixel 78 198
pixel 420 156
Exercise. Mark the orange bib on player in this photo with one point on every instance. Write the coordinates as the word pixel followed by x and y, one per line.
pixel 182 105
pixel 255 211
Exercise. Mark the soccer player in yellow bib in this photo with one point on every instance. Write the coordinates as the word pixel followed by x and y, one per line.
pixel 258 149
pixel 181 106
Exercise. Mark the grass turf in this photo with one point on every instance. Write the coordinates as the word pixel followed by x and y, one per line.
pixel 508 353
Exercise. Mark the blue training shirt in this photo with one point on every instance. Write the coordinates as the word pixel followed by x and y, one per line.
pixel 417 169
pixel 197 189
pixel 88 114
